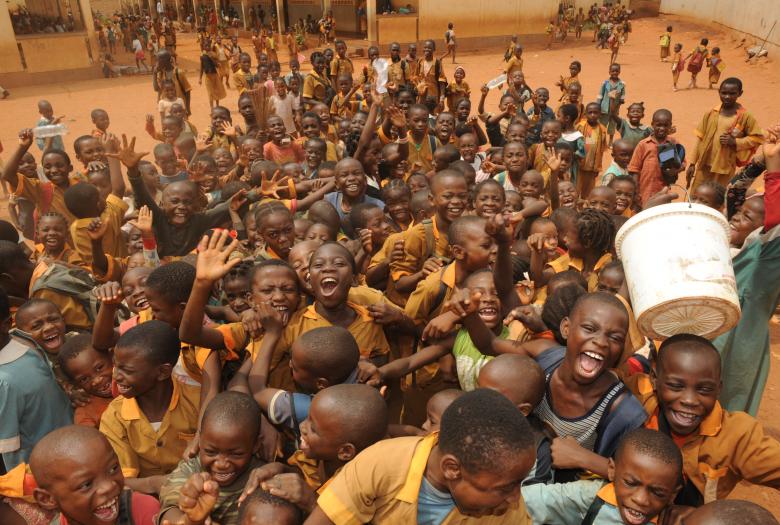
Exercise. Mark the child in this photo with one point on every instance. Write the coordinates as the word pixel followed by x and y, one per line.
pixel 350 188
pixel 52 235
pixel 666 42
pixel 86 203
pixel 168 99
pixel 682 401
pixel 678 65
pixel 431 81
pixel 81 456
pixel 344 104
pixel 621 156
pixel 710 193
pixel 632 130
pixel 625 193
pixel 538 115
pixel 285 106
pixel 48 119
pixel 101 121
pixel 697 59
pixel 575 68
pixel 489 198
pixel 726 136
pixel 645 165
pixel 611 277
pixel 602 198
pixel 452 464
pixel 644 479
pixel 263 507
pixel 458 89
pixel 568 115
pixel 209 484
pixel 151 422
pixel 90 370
pixel 730 512
pixel 611 96
pixel 281 148
pixel 716 65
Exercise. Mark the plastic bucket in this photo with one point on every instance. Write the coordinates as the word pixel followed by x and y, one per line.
pixel 678 269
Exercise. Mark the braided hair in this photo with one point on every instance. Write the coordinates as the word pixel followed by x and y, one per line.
pixel 596 230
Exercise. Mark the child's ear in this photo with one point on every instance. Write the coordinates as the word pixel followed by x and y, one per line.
pixel 565 324
pixel 611 470
pixel 321 383
pixel 525 408
pixel 450 467
pixel 45 499
pixel 458 253
pixel 164 372
pixel 346 452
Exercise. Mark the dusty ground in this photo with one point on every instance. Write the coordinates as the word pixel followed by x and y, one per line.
pixel 129 99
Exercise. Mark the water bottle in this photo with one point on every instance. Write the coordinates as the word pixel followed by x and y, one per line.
pixel 381 66
pixel 52 130
pixel 496 82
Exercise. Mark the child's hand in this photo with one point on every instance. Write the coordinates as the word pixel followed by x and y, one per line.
pixel 78 397
pixel 511 108
pixel 368 373
pixel 536 242
pixel 488 167
pixel 293 488
pixel 270 188
pixel 431 265
pixel 689 173
pixel 566 453
pixel 553 160
pixel 229 130
pixel 771 149
pixel 127 155
pixel 727 139
pixel 149 118
pixel 251 322
pixel 272 320
pixel 26 137
pixel 95 165
pixel 237 200
pixel 109 293
pixel 384 314
pixel 110 142
pixel 498 228
pixel 472 121
pixel 665 196
pixel 96 229
pixel 439 327
pixel 484 90
pixel 525 291
pixel 397 253
pixel 365 240
pixel 529 316
pixel 144 222
pixel 198 497
pixel 397 117
pixel 202 142
pixel 213 256
pixel 464 302
pixel 57 120
pixel 258 476
pixel 197 171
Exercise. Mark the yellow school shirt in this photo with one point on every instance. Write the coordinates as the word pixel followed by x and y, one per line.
pixel 384 255
pixel 342 108
pixel 382 486
pixel 236 338
pixel 30 189
pixel 113 244
pixel 143 451
pixel 370 336
pixel 420 307
pixel 416 247
pixel 341 65
pixel 513 64
pixel 331 153
pixel 566 262
pixel 72 311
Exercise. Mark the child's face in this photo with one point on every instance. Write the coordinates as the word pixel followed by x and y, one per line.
pixel 134 241
pixel 624 195
pixel 86 489
pixel 436 406
pixel 237 293
pixel 225 451
pixel 602 198
pixel 319 232
pixel 278 232
pixel 574 70
pixel 595 337
pixel 463 109
pixel 169 92
pixel 52 232
pixel 56 168
pixel 705 195
pixel 450 198
pixel 644 485
pixel 749 217
pixel 171 129
pixel 592 114
pixel 567 194
pixel 540 97
pixel 245 61
pixel 134 288
pixel 345 84
pixel 514 158
pixel 476 250
pixel 299 259
pixel 301 226
pixel 224 160
pixel 635 114
pixel 150 177
pixel 91 370
pixel 405 100
pixel 417 183
pixel 330 275
pixel 397 206
pixel 729 93
pixel 377 224
pixel 166 161
pixel 277 286
pixel 281 89
pixel 467 144
pixel 323 112
pixel 531 185
pixel 314 155
pixel 358 122
pixel 219 117
pixel 489 201
pixel 162 309
pixel 459 75
pixel 551 133
pixel 294 171
pixel 445 125
pixel 567 158
pixel 662 125
pixel 419 118
pixel 516 132
pixel 610 280
pixel 614 72
pixel 102 181
pixel 46 326
pixel 351 179
pixel 514 201
pixel 687 387
pixel 46 111
pixel 550 233
pixel 276 129
pixel 341 49
pixel 134 374
pixel 178 203
pixel 310 127
pixel 28 167
pixel 622 153
pixel 320 433
pixel 246 109
pixel 489 303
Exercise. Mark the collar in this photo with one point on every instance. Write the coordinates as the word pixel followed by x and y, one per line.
pixel 13 351
pixel 311 312
pixel 607 494
pixel 130 410
pixel 448 275
pixel 709 427
pixel 271 253
pixel 578 263
pixel 410 491
pixel 435 225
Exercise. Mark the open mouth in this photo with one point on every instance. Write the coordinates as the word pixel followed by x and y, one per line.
pixel 51 242
pixel 52 341
pixel 104 389
pixel 328 285
pixel 141 303
pixel 123 389
pixel 107 512
pixel 488 314
pixel 455 210
pixel 590 364
pixel 684 419
pixel 634 517
pixel 223 477
pixel 352 188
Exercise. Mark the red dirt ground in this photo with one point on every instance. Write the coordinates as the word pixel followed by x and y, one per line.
pixel 128 99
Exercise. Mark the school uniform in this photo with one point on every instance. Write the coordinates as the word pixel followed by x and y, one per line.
pixel 423 240
pixel 70 288
pixel 331 153
pixel 236 338
pixel 567 262
pixel 431 75
pixel 46 196
pixel 315 86
pixel 383 486
pixel 143 450
pixel 590 501
pixel 590 165
pixel 728 447
pixel 341 66
pixel 383 255
pixel 514 63
pixel 113 243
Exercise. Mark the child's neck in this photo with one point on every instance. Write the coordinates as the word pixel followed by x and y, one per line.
pixel 154 403
pixel 433 473
pixel 340 315
pixel 418 136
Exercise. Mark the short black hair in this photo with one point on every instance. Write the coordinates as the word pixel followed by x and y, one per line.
pixel 55 151
pixel 450 152
pixel 622 178
pixel 8 232
pixel 483 430
pixel 345 251
pixel 459 226
pixel 603 298
pixel 316 142
pixel 330 352
pixel 359 410
pixel 33 302
pixel 79 141
pixel 81 200
pixel 72 348
pixel 262 497
pixel 11 253
pixel 437 179
pixel 233 408
pixel 559 305
pixel 688 343
pixel 268 263
pixel 653 444
pixel 163 148
pixel 155 340
pixel 731 81
pixel 266 209
pixel 718 190
pixel 490 182
pixel 736 512
pixel 570 110
pixel 172 281
pixel 357 216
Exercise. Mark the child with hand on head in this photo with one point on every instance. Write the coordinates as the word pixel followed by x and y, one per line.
pixel 151 422
pixel 90 370
pixel 631 129
pixel 208 485
pixel 442 468
pixel 644 478
pixel 682 401
pixel 80 456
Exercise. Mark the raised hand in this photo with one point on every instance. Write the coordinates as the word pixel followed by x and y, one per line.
pixel 202 142
pixel 272 320
pixel 229 130
pixel 26 137
pixel 536 242
pixel 525 291
pixel 109 293
pixel 96 229
pixel 213 256
pixel 197 171
pixel 127 154
pixel 553 160
pixel 110 142
pixel 463 302
pixel 498 228
pixel 397 117
pixel 198 497
pixel 95 165
pixel 144 222
pixel 365 240
pixel 237 200
pixel 529 316
pixel 270 188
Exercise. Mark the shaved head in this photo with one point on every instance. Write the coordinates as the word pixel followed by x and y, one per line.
pixel 52 455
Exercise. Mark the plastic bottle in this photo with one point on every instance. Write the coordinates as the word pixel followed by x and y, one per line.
pixel 52 130
pixel 496 82
pixel 381 66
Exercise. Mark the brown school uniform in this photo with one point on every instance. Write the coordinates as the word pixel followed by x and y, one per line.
pixel 339 66
pixel 236 338
pixel 416 249
pixel 384 255
pixel 113 244
pixel 430 74
pixel 513 64
pixel 76 317
pixel 382 486
pixel 45 200
pixel 728 447
pixel 566 262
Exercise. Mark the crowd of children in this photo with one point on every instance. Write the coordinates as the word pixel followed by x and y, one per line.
pixel 364 307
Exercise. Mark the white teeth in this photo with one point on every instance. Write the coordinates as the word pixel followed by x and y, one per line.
pixel 595 356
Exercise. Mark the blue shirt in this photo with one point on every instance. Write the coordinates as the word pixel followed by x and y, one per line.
pixel 433 505
pixel 32 404
pixel 335 198
pixel 56 141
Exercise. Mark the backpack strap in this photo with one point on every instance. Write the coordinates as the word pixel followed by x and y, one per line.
pixel 593 511
pixel 125 508
pixel 432 141
pixel 439 297
pixel 430 239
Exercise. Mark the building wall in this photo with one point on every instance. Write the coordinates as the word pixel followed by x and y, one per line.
pixel 754 17
pixel 300 8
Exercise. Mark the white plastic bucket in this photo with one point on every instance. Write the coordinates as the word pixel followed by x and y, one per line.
pixel 678 270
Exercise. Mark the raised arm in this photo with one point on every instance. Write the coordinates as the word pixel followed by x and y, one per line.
pixel 12 167
pixel 111 145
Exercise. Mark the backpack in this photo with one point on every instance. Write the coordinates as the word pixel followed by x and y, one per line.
pixel 72 281
pixel 697 60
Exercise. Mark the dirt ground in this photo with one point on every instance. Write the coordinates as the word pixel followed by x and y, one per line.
pixel 128 99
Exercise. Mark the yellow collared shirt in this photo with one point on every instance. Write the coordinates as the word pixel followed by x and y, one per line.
pixel 415 248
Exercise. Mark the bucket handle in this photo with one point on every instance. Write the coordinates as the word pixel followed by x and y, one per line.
pixel 687 194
